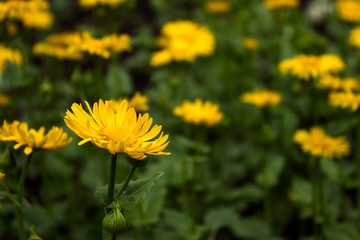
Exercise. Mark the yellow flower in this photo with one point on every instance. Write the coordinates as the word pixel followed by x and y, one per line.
pixel 139 101
pixel 218 6
pixel 279 4
pixel 354 38
pixel 345 99
pixel 87 4
pixel 4 99
pixel 348 10
pixel 33 139
pixel 58 51
pixel 183 41
pixel 317 143
pixel 307 66
pixel 11 55
pixel 250 43
pixel 335 83
pixel 199 113
pixel 262 98
pixel 2 175
pixel 117 131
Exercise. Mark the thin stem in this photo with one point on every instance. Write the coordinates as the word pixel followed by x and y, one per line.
pixel 126 181
pixel 341 189
pixel 315 195
pixel 111 184
pixel 357 156
pixel 19 211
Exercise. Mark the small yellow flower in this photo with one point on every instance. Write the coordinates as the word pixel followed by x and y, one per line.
pixel 11 55
pixel 317 143
pixel 199 113
pixel 345 99
pixel 118 131
pixel 250 43
pixel 262 98
pixel 183 41
pixel 280 4
pixel 354 38
pixel 307 66
pixel 335 83
pixel 32 139
pixel 2 175
pixel 4 99
pixel 87 4
pixel 218 6
pixel 139 101
pixel 348 10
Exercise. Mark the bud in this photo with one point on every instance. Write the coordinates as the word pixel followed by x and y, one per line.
pixel 115 221
pixel 7 160
pixel 138 163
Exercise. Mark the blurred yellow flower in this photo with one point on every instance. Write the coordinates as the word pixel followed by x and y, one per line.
pixel 118 131
pixel 262 98
pixel 11 55
pixel 4 99
pixel 199 113
pixel 32 13
pixel 250 43
pixel 218 6
pixel 335 83
pixel 139 101
pixel 318 144
pixel 345 99
pixel 354 38
pixel 279 4
pixel 348 10
pixel 183 41
pixel 32 139
pixel 87 4
pixel 72 45
pixel 307 66
pixel 2 175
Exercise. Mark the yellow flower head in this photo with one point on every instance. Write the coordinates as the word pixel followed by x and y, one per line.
pixel 262 98
pixel 218 6
pixel 335 83
pixel 345 99
pixel 4 99
pixel 250 43
pixel 183 41
pixel 348 10
pixel 318 144
pixel 280 4
pixel 307 66
pixel 117 130
pixel 139 101
pixel 87 4
pixel 11 55
pixel 199 113
pixel 354 38
pixel 33 139
pixel 2 175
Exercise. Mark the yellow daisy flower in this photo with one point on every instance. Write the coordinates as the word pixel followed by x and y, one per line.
pixel 279 4
pixel 218 6
pixel 262 98
pixel 345 99
pixel 87 4
pixel 139 101
pixel 354 38
pixel 348 10
pixel 336 83
pixel 8 54
pixel 199 113
pixel 9 132
pixel 118 131
pixel 250 43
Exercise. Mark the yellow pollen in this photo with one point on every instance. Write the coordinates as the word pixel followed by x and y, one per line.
pixel 119 135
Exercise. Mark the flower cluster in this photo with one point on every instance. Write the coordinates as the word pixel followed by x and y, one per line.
pixel 32 13
pixel 87 4
pixel 279 4
pixel 348 10
pixel 354 38
pixel 307 66
pixel 218 6
pixel 4 99
pixel 72 45
pixel 250 43
pixel 346 99
pixel 19 133
pixel 183 41
pixel 199 113
pixel 336 83
pixel 8 54
pixel 118 131
pixel 139 102
pixel 262 98
pixel 318 144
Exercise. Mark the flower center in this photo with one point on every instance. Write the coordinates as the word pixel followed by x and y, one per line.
pixel 118 134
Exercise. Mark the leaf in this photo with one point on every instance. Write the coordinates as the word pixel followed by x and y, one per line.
pixel 251 228
pixel 301 191
pixel 118 82
pixel 269 176
pixel 343 231
pixel 134 193
pixel 33 235
pixel 221 217
pixel 329 168
pixel 12 199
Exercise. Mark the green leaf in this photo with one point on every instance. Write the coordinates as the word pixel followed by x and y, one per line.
pixel 33 234
pixel 7 159
pixel 269 176
pixel 134 193
pixel 12 199
pixel 329 168
pixel 251 228
pixel 343 231
pixel 221 217
pixel 118 82
pixel 301 195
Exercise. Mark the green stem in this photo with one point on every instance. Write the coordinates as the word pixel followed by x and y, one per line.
pixel 99 78
pixel 111 184
pixel 126 181
pixel 315 195
pixel 341 188
pixel 19 211
pixel 358 171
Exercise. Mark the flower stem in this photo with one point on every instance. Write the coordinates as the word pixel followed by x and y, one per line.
pixel 126 181
pixel 357 156
pixel 19 211
pixel 111 184
pixel 341 187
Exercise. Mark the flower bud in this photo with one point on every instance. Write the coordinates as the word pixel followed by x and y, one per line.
pixel 115 221
pixel 138 163
pixel 7 160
